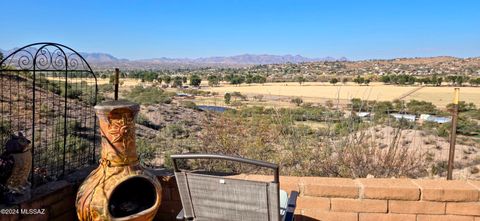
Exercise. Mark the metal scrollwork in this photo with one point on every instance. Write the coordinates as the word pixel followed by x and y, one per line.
pixel 25 61
pixel 43 88
pixel 46 57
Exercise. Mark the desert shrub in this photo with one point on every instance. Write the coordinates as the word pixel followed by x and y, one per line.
pixel 421 107
pixel 297 101
pixel 73 93
pixel 143 120
pixel 467 126
pixel 213 80
pixel 357 155
pixel 5 132
pixel 462 106
pixel 150 95
pixel 146 151
pixel 196 92
pixel 272 135
pixel 227 135
pixel 439 168
pixel 189 104
pixel 73 125
pixel 474 114
pixel 238 95
pixel 46 110
pixel 236 103
pixel 227 98
pixel 176 131
pixel 258 97
pixel 195 80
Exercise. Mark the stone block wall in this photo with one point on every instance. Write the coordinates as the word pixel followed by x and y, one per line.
pixel 325 199
pixel 341 199
pixel 55 201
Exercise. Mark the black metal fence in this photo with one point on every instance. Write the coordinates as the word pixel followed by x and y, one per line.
pixel 47 92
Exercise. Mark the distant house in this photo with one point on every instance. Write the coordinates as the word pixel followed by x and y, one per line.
pixel 408 117
pixel 435 119
pixel 363 114
pixel 185 95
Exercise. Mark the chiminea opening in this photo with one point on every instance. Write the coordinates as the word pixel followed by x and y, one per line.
pixel 132 196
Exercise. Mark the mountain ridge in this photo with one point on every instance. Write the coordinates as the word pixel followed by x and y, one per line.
pixel 242 59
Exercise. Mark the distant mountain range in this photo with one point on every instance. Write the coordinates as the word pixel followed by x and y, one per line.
pixel 90 57
pixel 245 59
pixel 104 60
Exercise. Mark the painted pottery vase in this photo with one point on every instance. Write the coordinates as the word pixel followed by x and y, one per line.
pixel 119 189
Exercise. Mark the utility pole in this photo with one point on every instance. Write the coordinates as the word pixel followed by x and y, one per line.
pixel 453 134
pixel 117 76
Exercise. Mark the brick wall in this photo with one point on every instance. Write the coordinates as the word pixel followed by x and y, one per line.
pixel 330 199
pixel 171 204
pixel 325 199
pixel 53 201
pixel 57 199
pixel 341 199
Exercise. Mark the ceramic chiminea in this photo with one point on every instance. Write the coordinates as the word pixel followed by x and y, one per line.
pixel 119 189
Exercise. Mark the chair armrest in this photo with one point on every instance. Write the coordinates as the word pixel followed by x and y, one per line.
pixel 292 200
pixel 291 205
pixel 180 215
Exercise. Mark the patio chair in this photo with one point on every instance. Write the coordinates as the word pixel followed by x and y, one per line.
pixel 214 198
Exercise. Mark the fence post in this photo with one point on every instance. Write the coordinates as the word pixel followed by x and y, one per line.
pixel 117 75
pixel 453 134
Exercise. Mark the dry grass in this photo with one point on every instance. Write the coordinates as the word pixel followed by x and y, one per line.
pixel 279 94
pixel 441 96
pixel 128 82
pixel 314 91
pixel 319 92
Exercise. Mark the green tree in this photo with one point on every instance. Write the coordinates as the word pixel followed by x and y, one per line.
pixel 439 81
pixel 259 79
pixel 356 104
pixel 249 79
pixel 333 81
pixel 474 81
pixel 462 106
pixel 184 79
pixel 359 80
pixel 436 81
pixel 421 107
pixel 452 79
pixel 385 79
pixel 366 81
pixel 177 81
pixel 227 98
pixel 167 79
pixel 237 79
pixel 213 80
pixel 461 79
pixel 149 76
pixel 344 80
pixel 195 80
pixel 300 80
pixel 402 79
pixel 112 79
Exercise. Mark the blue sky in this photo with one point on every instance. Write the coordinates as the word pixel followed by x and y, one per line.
pixel 360 29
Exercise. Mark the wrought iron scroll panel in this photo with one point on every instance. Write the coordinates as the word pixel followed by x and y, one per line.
pixel 48 91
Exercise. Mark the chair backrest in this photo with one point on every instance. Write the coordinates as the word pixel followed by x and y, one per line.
pixel 210 197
